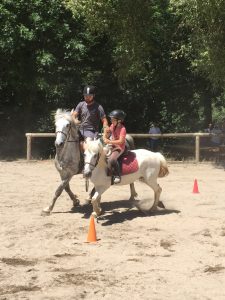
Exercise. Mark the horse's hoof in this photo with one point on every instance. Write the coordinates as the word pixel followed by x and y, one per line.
pixel 96 214
pixel 87 201
pixel 76 203
pixel 134 198
pixel 161 205
pixel 45 213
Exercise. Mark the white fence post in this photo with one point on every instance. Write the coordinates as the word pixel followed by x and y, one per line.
pixel 29 139
pixel 197 148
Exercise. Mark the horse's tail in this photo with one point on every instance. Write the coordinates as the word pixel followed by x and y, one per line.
pixel 163 171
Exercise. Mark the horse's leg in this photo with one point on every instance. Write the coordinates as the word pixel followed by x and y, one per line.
pixel 156 198
pixel 73 197
pixel 133 192
pixel 88 200
pixel 161 205
pixel 96 199
pixel 157 191
pixel 58 192
pixel 96 204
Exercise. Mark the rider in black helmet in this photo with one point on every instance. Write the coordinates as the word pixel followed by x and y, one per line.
pixel 117 140
pixel 89 112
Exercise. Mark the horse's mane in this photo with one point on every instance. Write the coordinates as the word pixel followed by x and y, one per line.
pixel 63 113
pixel 94 146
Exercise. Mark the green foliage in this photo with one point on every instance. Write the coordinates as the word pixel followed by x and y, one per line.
pixel 206 45
pixel 41 49
pixel 154 83
pixel 39 44
pixel 137 30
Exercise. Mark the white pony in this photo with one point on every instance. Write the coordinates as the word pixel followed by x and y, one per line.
pixel 149 166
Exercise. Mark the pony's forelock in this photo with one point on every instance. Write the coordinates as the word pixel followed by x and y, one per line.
pixel 94 146
pixel 63 113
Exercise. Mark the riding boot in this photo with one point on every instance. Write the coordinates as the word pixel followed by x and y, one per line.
pixel 116 173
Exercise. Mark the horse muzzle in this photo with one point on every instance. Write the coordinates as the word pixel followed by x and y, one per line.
pixel 87 174
pixel 59 144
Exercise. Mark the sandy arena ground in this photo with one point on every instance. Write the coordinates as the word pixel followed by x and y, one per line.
pixel 177 253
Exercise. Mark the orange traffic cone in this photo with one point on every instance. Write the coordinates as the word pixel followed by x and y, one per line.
pixel 195 187
pixel 92 232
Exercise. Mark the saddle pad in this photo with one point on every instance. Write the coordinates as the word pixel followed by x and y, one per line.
pixel 128 163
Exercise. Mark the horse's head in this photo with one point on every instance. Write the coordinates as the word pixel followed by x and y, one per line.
pixel 92 153
pixel 64 126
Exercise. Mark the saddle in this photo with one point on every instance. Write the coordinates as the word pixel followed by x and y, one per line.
pixel 128 164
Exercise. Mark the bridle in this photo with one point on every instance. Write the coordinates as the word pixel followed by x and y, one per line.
pixel 93 165
pixel 67 135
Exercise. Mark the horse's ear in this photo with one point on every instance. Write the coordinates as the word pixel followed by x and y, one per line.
pixel 84 146
pixel 76 121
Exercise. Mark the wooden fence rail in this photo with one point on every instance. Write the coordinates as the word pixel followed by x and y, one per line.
pixel 197 137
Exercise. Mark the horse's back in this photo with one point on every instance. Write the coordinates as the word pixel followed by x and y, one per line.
pixel 144 154
pixel 153 159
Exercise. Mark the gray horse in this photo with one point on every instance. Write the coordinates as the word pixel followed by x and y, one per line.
pixel 68 156
pixel 67 159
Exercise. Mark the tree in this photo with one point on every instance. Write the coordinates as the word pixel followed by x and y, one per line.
pixel 205 48
pixel 42 49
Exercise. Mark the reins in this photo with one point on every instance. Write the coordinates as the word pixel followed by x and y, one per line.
pixel 93 165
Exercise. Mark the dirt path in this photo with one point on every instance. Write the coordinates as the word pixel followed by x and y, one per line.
pixel 177 253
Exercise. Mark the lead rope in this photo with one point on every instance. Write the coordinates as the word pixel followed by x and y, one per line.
pixel 101 138
pixel 86 184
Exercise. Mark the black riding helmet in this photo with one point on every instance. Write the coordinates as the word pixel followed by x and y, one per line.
pixel 118 114
pixel 89 90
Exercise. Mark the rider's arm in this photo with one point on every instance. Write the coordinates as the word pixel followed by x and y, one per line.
pixel 105 124
pixel 103 117
pixel 76 112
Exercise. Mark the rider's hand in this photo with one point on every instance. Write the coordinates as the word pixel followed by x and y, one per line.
pixel 106 141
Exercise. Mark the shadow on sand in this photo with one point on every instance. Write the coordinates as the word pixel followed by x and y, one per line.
pixel 119 217
pixel 111 215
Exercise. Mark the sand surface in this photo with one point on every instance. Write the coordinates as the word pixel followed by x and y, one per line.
pixel 177 253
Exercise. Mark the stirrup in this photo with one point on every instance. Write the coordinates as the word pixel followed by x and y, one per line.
pixel 116 179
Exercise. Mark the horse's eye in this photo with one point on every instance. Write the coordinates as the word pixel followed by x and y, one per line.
pixel 68 125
